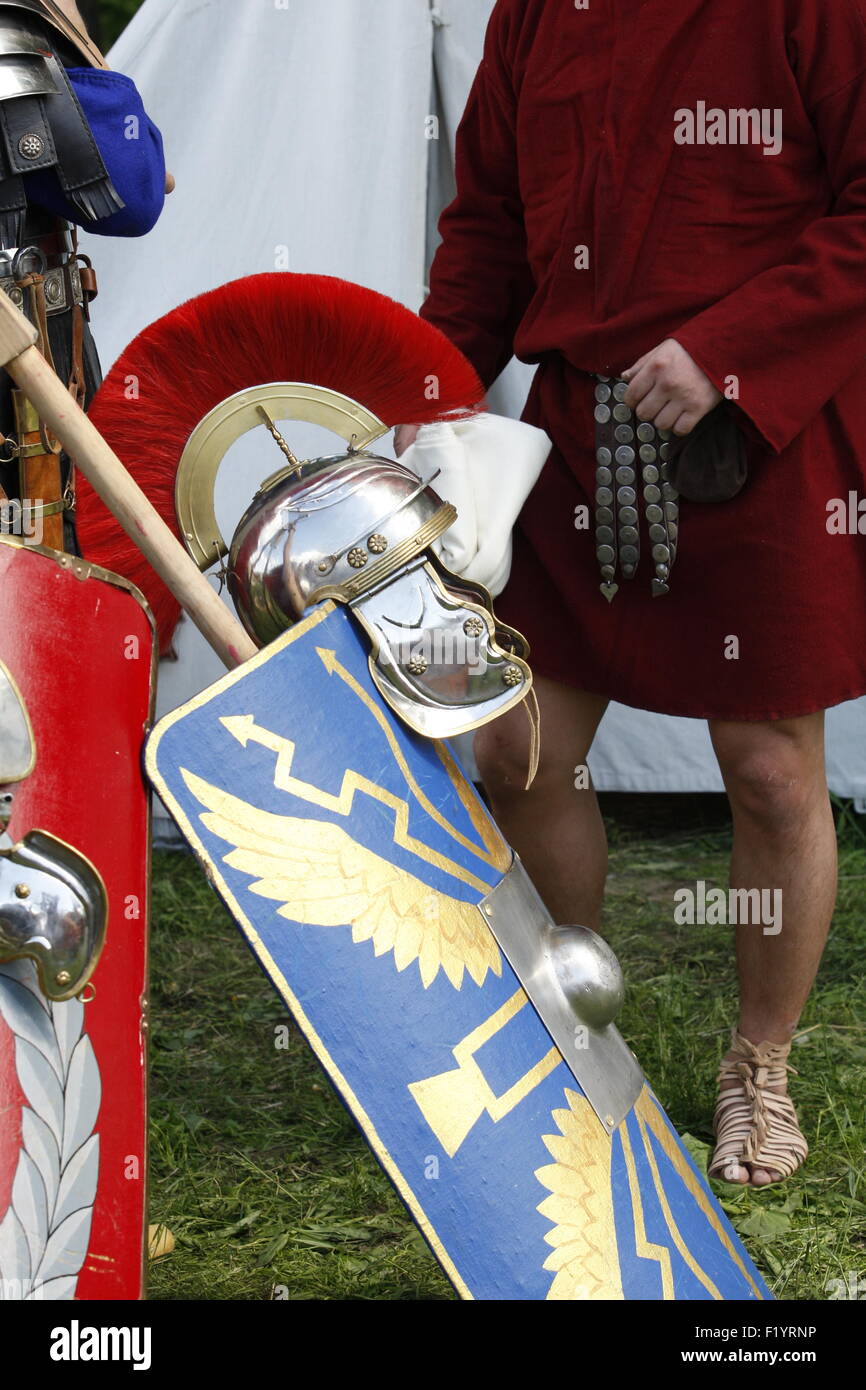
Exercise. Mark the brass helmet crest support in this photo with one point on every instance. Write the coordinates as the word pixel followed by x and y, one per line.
pixel 234 417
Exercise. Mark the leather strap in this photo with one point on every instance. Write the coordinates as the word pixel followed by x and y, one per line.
pixel 51 243
pixel 76 372
pixel 35 283
pixel 87 275
pixel 533 714
pixel 41 482
pixel 80 167
pixel 27 128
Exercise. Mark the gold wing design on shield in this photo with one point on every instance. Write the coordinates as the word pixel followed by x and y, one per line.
pixel 585 1255
pixel 325 878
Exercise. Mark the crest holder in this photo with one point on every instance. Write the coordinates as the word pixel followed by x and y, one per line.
pixel 234 417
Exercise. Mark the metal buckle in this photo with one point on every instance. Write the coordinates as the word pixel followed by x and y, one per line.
pixel 19 269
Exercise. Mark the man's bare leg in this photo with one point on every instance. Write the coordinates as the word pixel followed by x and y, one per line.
pixel 555 827
pixel 784 838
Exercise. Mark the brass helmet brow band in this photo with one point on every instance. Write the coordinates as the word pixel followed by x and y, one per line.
pixel 397 558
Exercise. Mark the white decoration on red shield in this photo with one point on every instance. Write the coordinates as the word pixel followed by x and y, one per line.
pixel 45 1233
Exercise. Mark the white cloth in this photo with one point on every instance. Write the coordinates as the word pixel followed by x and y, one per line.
pixel 299 134
pixel 487 466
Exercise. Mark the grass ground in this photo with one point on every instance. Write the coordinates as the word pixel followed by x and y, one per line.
pixel 267 1185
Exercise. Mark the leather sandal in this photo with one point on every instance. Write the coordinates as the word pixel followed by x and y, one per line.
pixel 755 1122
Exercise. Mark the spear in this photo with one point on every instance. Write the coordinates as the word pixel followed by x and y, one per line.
pixel 120 493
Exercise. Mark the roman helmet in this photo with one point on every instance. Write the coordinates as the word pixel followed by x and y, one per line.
pixel 354 527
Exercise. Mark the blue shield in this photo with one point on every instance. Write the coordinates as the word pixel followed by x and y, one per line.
pixel 353 856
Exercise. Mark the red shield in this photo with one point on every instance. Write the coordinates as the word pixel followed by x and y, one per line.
pixel 78 643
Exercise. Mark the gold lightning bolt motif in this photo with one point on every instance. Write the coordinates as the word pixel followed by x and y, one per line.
pixel 245 730
pixel 652 1121
pixel 496 850
pixel 646 1249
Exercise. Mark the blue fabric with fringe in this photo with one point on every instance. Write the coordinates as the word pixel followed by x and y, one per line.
pixel 131 147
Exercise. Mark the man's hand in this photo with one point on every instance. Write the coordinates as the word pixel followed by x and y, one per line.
pixel 404 435
pixel 668 388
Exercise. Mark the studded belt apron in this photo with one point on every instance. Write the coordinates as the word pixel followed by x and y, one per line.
pixel 622 445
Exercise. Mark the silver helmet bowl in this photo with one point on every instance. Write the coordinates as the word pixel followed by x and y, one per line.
pixel 332 528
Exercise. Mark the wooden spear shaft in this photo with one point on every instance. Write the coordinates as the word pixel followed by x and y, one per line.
pixel 120 493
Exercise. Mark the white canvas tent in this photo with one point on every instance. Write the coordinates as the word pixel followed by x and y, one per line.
pixel 299 134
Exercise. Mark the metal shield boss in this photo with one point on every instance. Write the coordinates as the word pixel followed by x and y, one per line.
pixel 76 666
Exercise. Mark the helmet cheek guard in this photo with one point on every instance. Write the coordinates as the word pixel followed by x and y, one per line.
pixel 437 658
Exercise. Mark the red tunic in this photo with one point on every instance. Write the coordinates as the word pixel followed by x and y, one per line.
pixel 755 262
